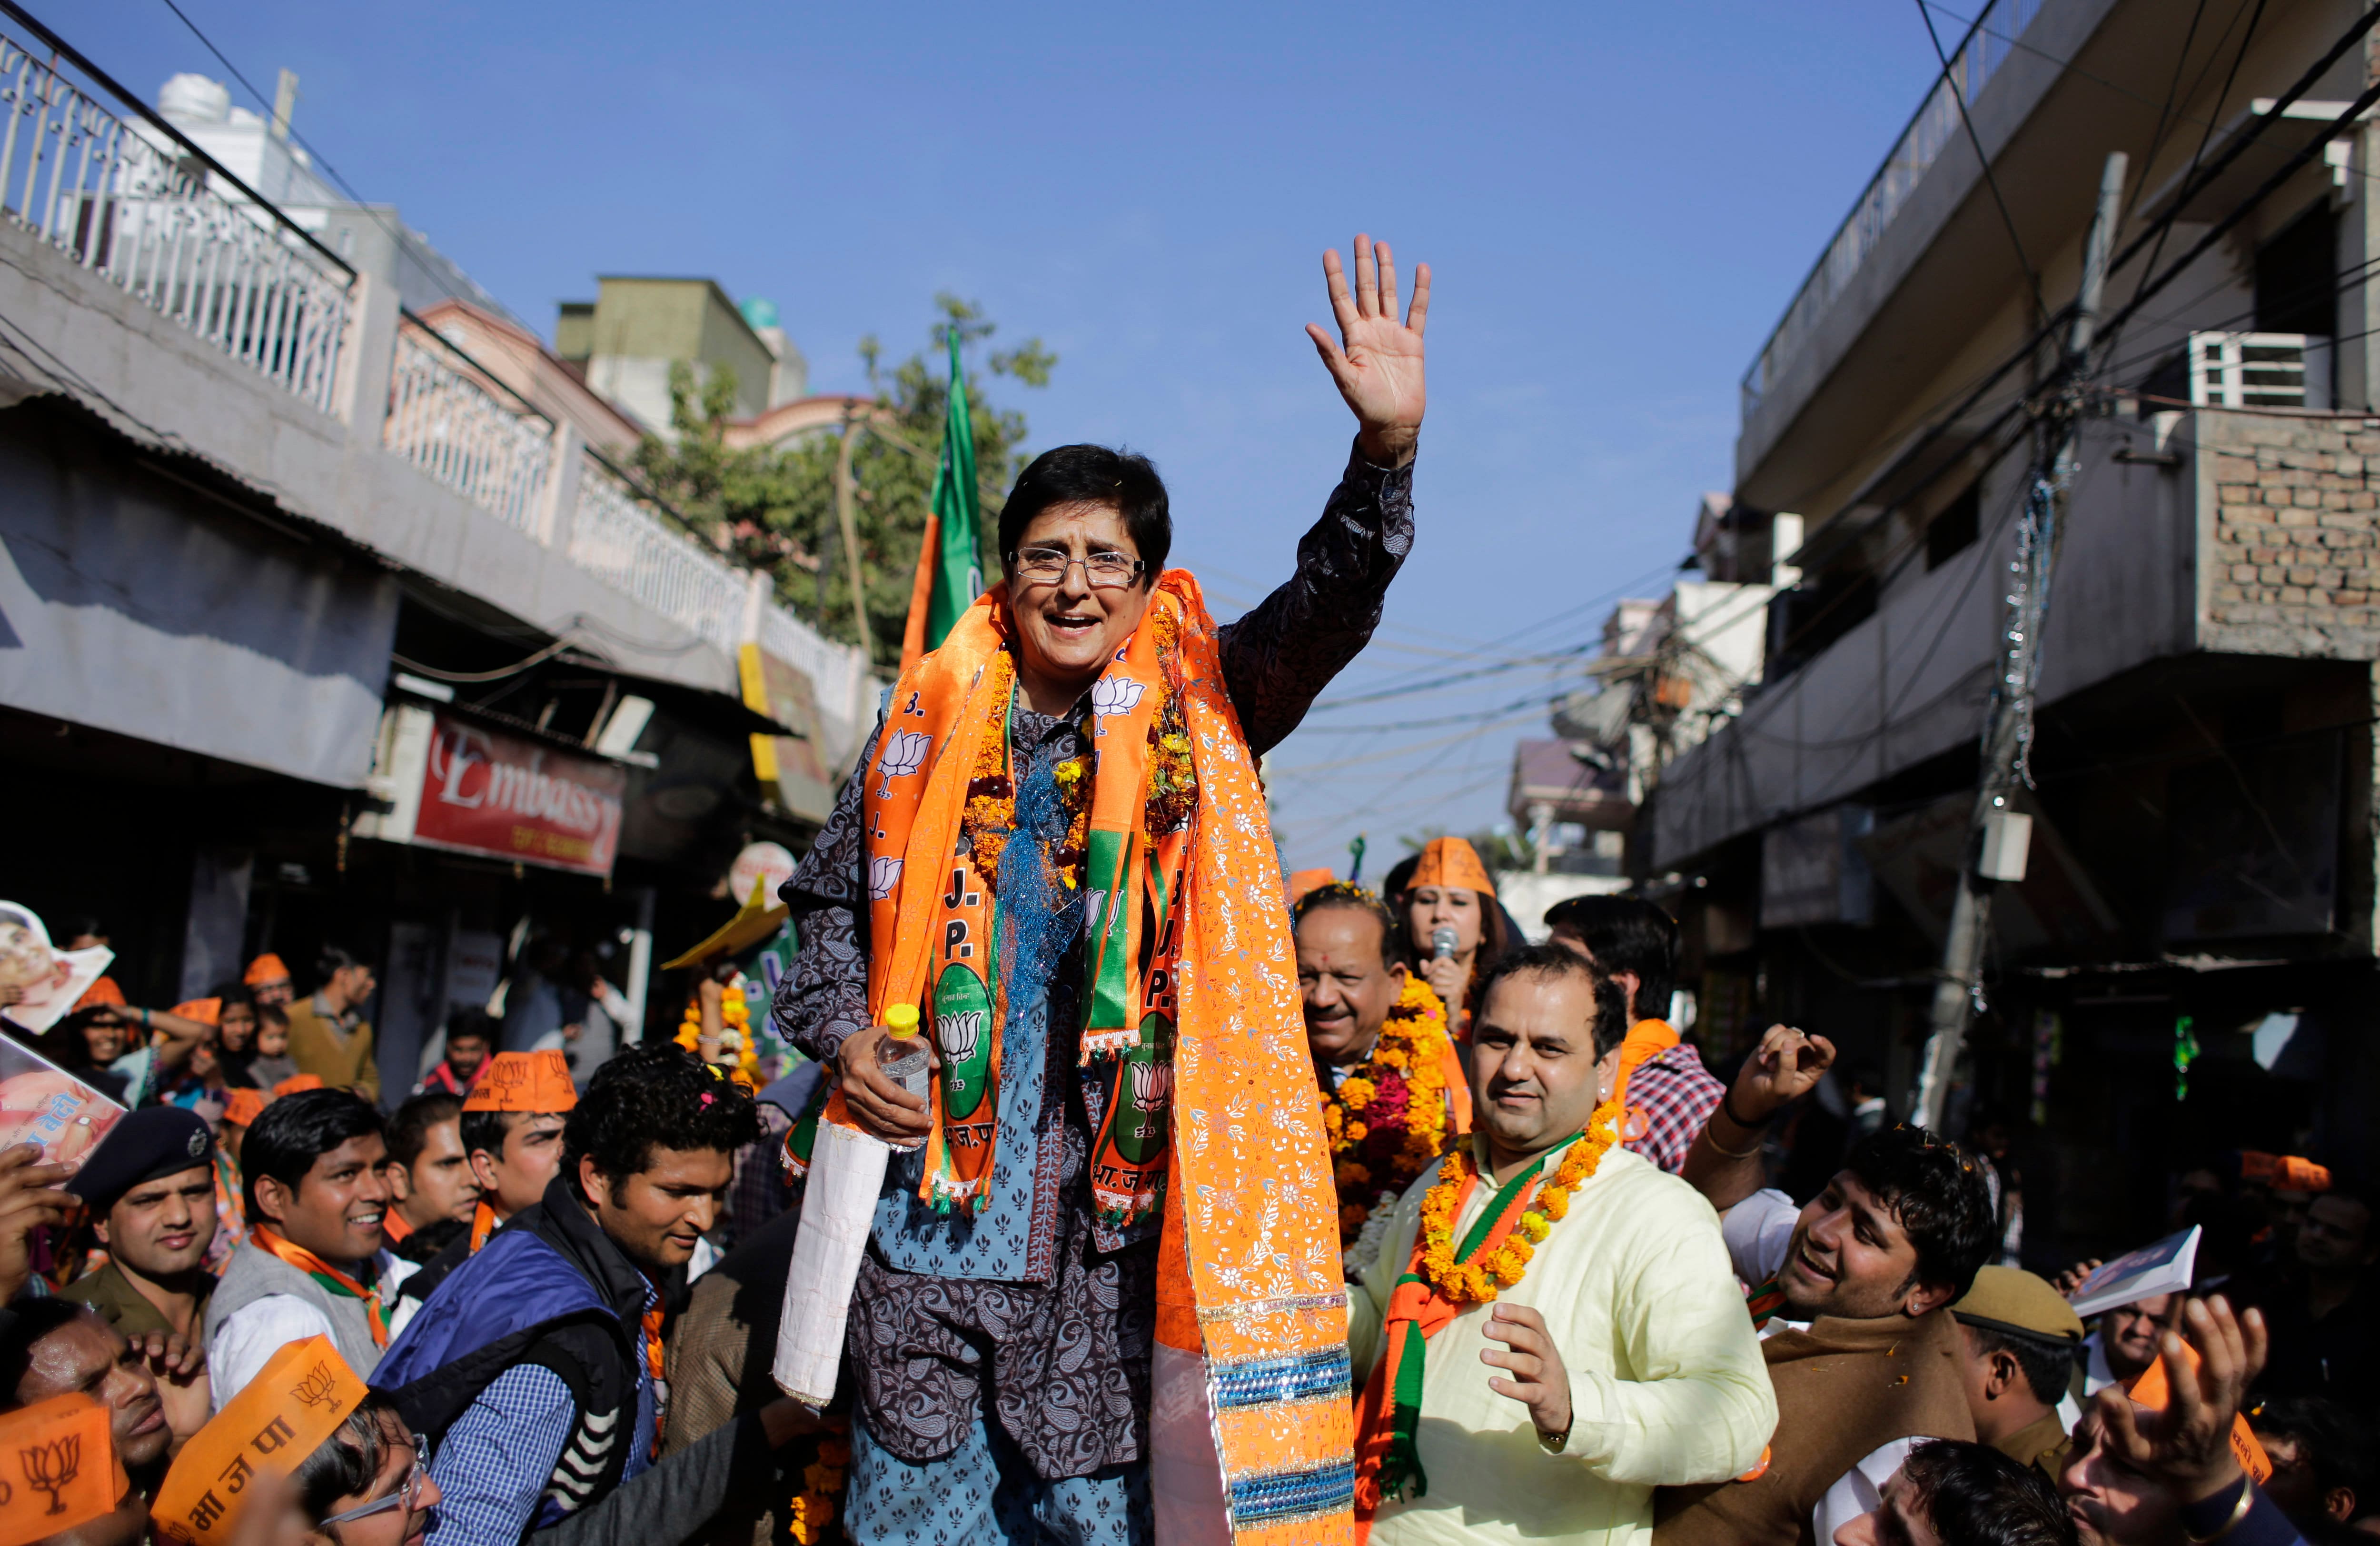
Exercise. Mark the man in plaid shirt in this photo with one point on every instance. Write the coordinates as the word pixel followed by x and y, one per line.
pixel 1670 1095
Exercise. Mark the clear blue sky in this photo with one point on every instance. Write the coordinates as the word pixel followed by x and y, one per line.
pixel 1617 203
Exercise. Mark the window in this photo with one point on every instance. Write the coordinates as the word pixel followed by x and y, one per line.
pixel 1955 526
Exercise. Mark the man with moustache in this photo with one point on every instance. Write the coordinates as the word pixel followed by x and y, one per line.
pixel 1619 1358
pixel 429 1175
pixel 1852 1293
pixel 151 1189
pixel 532 1372
pixel 1393 1104
pixel 312 1265
pixel 153 1386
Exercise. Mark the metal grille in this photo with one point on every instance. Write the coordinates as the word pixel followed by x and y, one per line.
pixel 614 537
pixel 1985 47
pixel 454 429
pixel 116 197
pixel 2248 369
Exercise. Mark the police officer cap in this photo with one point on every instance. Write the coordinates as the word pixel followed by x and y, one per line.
pixel 2008 1299
pixel 147 1144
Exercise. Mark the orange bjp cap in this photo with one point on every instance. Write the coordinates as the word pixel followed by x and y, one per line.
pixel 243 1106
pixel 1451 861
pixel 206 1011
pixel 104 991
pixel 266 968
pixel 537 1082
pixel 61 1460
pixel 296 1082
pixel 1305 880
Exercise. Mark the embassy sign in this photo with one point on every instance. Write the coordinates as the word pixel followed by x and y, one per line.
pixel 471 790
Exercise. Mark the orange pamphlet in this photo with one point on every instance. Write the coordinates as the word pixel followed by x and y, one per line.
pixel 276 1420
pixel 2150 1390
pixel 57 1469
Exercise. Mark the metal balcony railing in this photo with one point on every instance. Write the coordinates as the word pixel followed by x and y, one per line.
pixel 1987 46
pixel 444 422
pixel 2258 369
pixel 128 198
pixel 616 538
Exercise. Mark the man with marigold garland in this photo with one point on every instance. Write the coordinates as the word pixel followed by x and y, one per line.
pixel 1595 1287
pixel 1394 1092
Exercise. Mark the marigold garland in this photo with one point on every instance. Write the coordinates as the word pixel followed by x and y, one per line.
pixel 811 1515
pixel 1484 1277
pixel 738 1052
pixel 1388 1119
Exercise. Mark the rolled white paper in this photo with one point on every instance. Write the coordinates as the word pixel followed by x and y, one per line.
pixel 838 1210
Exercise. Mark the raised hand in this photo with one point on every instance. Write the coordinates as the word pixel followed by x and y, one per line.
pixel 29 1197
pixel 2188 1443
pixel 1379 369
pixel 1788 1064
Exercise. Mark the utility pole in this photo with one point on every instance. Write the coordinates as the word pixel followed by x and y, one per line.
pixel 1998 835
pixel 849 522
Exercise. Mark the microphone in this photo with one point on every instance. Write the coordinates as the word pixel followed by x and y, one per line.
pixel 1441 942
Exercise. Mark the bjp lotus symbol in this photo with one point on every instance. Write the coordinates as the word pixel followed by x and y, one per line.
pixel 1115 695
pixel 958 1034
pixel 1152 1084
pixel 51 1467
pixel 884 874
pixel 903 754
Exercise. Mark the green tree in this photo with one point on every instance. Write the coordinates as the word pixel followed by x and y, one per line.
pixel 775 510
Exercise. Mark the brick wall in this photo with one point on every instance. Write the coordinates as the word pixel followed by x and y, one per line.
pixel 2289 520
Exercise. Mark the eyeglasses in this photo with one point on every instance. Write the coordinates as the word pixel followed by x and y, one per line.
pixel 1106 571
pixel 407 1495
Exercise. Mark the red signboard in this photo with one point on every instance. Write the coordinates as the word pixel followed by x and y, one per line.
pixel 486 793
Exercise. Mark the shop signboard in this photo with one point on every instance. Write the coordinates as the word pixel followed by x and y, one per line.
pixel 470 790
pixel 784 693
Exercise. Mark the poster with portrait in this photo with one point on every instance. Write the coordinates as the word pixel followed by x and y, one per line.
pixel 40 982
pixel 42 1103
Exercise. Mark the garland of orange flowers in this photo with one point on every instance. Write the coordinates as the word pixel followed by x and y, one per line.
pixel 1477 1281
pixel 1400 1088
pixel 736 1050
pixel 811 1513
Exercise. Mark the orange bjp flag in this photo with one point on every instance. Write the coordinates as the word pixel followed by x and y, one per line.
pixel 57 1469
pixel 278 1418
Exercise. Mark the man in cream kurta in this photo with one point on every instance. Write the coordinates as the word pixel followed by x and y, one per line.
pixel 1634 1290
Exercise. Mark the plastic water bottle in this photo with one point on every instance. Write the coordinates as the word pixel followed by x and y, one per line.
pixel 906 1062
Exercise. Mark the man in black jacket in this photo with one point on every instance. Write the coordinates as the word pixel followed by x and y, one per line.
pixel 532 1371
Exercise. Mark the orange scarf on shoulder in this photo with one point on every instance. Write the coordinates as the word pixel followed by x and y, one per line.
pixel 330 1278
pixel 1188 937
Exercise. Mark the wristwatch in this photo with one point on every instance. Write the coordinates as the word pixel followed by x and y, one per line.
pixel 1553 1443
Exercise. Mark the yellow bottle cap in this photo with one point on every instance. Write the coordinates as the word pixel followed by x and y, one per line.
pixel 901 1019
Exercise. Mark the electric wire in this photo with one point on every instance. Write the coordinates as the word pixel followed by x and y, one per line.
pixel 1983 159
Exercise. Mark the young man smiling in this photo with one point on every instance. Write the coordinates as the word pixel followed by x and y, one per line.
pixel 151 1187
pixel 519 1369
pixel 1852 1292
pixel 312 1265
pixel 1619 1360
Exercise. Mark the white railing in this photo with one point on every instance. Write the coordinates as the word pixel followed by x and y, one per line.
pixel 2258 369
pixel 1987 45
pixel 119 198
pixel 615 538
pixel 456 431
pixel 838 671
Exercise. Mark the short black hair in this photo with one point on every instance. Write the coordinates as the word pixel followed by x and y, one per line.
pixel 32 1319
pixel 2048 1363
pixel 655 1094
pixel 347 1461
pixel 1346 896
pixel 1975 1496
pixel 330 961
pixel 1630 934
pixel 2336 1442
pixel 409 1130
pixel 1936 1190
pixel 470 1020
pixel 295 1130
pixel 488 1130
pixel 1554 960
pixel 1093 475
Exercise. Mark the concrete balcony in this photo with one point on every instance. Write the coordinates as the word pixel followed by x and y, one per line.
pixel 2190 535
pixel 149 287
